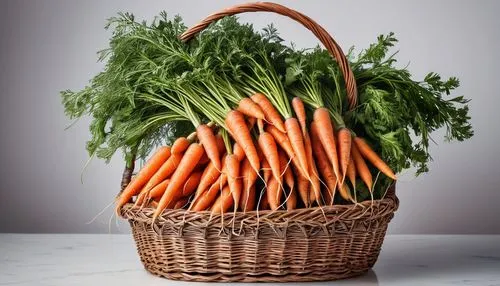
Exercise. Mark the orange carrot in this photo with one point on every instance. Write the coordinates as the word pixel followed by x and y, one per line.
pixel 266 170
pixel 249 176
pixel 281 139
pixel 344 142
pixel 300 111
pixel 297 141
pixel 325 168
pixel 251 122
pixel 361 167
pixel 205 200
pixel 271 114
pixel 286 170
pixel 351 173
pixel 203 161
pixel 247 202
pixel 153 204
pixel 264 203
pixel 233 178
pixel 250 108
pixel 155 163
pixel 291 202
pixel 181 203
pixel 191 184
pixel 158 191
pixel 239 152
pixel 180 145
pixel 207 139
pixel 223 202
pixel 208 177
pixel 270 152
pixel 273 193
pixel 221 146
pixel 303 189
pixel 345 193
pixel 181 174
pixel 327 137
pixel 285 144
pixel 315 195
pixel 368 153
pixel 165 171
pixel 235 122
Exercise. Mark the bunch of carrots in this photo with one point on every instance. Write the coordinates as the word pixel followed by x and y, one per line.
pixel 256 160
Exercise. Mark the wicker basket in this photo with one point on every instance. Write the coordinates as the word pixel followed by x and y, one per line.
pixel 314 244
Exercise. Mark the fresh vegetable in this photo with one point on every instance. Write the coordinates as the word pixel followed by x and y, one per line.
pixel 252 122
pixel 156 161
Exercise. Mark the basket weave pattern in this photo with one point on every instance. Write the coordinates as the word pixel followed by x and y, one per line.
pixel 325 243
pixel 311 244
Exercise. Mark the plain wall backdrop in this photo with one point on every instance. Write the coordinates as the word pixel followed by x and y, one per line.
pixel 48 46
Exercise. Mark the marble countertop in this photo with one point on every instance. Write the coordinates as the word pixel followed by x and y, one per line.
pixel 85 259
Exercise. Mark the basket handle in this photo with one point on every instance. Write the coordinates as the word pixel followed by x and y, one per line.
pixel 315 28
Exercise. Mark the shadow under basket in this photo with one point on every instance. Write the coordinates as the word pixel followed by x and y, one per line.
pixel 314 244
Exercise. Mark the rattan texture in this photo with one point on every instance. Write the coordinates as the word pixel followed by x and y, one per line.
pixel 310 244
pixel 322 243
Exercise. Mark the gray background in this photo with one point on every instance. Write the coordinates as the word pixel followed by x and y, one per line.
pixel 48 46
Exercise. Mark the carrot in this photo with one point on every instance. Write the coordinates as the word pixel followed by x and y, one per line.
pixel 297 141
pixel 315 195
pixel 158 191
pixel 207 139
pixel 371 156
pixel 144 195
pixel 351 173
pixel 181 174
pixel 203 161
pixel 223 202
pixel 291 202
pixel 270 152
pixel 303 189
pixel 153 204
pixel 325 168
pixel 155 163
pixel 264 203
pixel 239 152
pixel 251 122
pixel 260 125
pixel 300 111
pixel 286 170
pixel 221 146
pixel 208 177
pixel 273 193
pixel 165 171
pixel 344 142
pixel 180 145
pixel 281 139
pixel 266 170
pixel 181 203
pixel 205 200
pixel 327 137
pixel 191 183
pixel 233 178
pixel 235 122
pixel 250 108
pixel 328 196
pixel 345 193
pixel 271 114
pixel 247 201
pixel 361 167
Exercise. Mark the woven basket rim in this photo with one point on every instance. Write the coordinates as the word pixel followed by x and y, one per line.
pixel 317 217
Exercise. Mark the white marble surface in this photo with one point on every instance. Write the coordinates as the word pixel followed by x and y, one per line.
pixel 76 259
